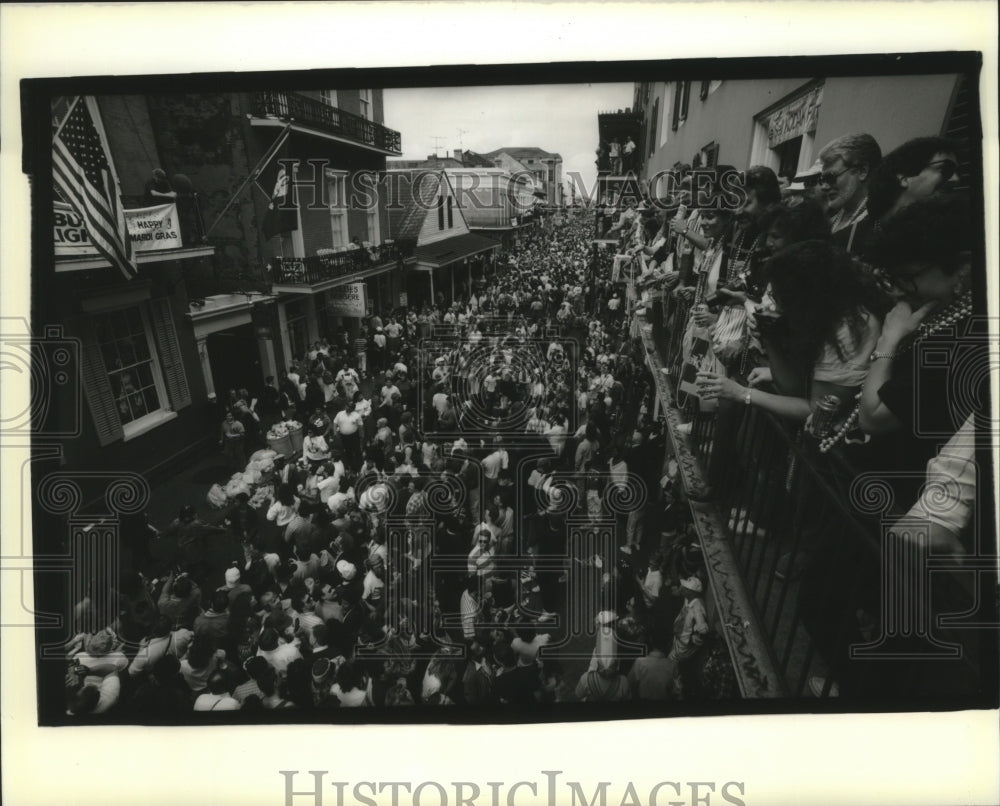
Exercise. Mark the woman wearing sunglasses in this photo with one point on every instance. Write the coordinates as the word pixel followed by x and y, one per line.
pixel 848 164
pixel 915 170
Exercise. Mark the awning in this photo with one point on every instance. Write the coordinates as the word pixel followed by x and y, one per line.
pixel 443 253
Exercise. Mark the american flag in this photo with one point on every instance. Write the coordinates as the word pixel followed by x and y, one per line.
pixel 83 173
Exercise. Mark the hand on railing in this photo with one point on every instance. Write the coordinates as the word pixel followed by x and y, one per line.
pixel 704 318
pixel 712 386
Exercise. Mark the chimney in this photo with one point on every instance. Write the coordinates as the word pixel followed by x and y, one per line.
pixel 457 153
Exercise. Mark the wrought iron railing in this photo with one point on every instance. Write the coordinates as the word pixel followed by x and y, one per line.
pixel 310 112
pixel 827 578
pixel 321 268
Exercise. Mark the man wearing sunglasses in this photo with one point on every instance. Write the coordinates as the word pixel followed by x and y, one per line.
pixel 848 164
pixel 917 169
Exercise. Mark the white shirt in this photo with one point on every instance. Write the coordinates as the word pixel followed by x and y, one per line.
pixel 347 423
pixel 494 463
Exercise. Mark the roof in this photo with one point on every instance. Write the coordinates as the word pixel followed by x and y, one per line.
pixel 427 165
pixel 522 152
pixel 410 202
pixel 441 253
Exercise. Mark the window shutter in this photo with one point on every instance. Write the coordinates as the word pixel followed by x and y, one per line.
pixel 96 386
pixel 170 353
pixel 675 120
pixel 703 93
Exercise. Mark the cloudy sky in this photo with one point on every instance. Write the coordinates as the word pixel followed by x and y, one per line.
pixel 554 117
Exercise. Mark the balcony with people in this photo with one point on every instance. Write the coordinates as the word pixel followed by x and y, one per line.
pixel 333 266
pixel 829 464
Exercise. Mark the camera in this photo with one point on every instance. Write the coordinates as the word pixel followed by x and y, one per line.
pixel 51 363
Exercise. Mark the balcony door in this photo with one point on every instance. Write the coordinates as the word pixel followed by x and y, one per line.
pixel 337 194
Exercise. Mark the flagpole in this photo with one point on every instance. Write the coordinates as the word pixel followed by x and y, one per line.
pixel 258 168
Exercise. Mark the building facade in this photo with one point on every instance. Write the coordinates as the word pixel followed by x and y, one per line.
pixel 782 123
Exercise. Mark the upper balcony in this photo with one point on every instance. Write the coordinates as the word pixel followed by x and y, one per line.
pixel 309 115
pixel 310 275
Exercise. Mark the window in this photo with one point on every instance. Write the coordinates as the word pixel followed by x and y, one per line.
pixel 440 206
pixel 365 103
pixel 667 109
pixel 451 222
pixel 703 92
pixel 329 97
pixel 131 368
pixel 678 92
pixel 709 155
pixel 652 126
pixel 685 98
pixel 336 186
pixel 373 227
pixel 129 360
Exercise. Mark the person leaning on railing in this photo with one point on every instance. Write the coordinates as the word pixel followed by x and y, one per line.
pixel 924 254
pixel 818 333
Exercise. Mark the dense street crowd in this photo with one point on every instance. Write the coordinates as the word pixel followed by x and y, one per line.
pixel 392 529
pixel 469 435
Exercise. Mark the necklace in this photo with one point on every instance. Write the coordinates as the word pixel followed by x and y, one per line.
pixel 838 222
pixel 954 312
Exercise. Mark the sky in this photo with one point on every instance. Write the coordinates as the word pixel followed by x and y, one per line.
pixel 554 117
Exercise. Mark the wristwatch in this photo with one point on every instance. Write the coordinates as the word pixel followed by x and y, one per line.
pixel 881 354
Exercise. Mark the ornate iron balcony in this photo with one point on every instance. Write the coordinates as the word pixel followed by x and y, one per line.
pixel 309 112
pixel 321 268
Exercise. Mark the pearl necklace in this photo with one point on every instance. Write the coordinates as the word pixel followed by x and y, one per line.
pixel 955 312
pixel 838 222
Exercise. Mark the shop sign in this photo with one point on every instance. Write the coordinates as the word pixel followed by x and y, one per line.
pixel 794 119
pixel 347 300
pixel 151 229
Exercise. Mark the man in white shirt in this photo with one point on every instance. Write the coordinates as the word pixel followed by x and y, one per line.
pixel 556 434
pixel 492 465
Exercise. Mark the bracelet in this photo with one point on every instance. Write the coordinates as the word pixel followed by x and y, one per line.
pixel 746 397
pixel 881 354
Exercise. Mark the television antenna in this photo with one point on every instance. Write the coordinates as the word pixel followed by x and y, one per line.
pixel 437 144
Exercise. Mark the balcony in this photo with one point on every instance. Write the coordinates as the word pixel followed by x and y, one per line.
pixel 319 272
pixel 817 596
pixel 313 114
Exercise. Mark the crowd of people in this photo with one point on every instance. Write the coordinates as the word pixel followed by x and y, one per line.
pixel 409 553
pixel 415 550
pixel 814 300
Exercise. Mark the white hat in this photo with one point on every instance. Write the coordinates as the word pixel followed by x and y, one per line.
pixel 812 170
pixel 347 570
pixel 692 584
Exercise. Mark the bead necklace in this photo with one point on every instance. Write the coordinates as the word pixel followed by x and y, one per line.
pixel 838 222
pixel 955 312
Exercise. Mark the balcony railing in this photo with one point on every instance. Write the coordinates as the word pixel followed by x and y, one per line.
pixel 318 115
pixel 842 605
pixel 322 268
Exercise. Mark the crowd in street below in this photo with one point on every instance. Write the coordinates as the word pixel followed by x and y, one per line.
pixel 409 552
pixel 472 437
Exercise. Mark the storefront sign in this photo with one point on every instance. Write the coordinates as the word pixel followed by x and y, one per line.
pixel 794 119
pixel 347 300
pixel 152 229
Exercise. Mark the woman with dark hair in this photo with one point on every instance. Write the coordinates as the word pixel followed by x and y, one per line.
pixel 924 259
pixel 819 337
pixel 915 170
